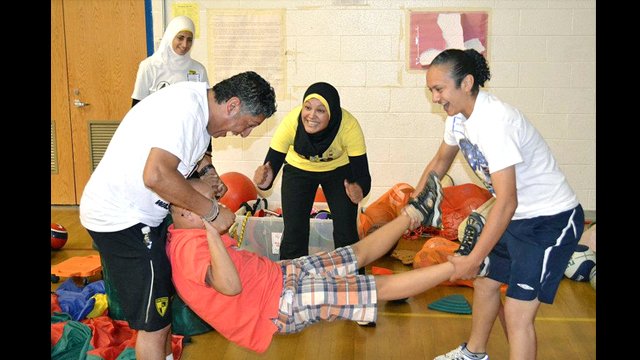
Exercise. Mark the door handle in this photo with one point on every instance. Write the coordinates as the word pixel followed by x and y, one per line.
pixel 78 103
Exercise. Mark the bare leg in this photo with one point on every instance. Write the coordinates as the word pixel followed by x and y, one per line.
pixel 410 283
pixel 503 321
pixel 486 304
pixel 168 348
pixel 379 242
pixel 520 317
pixel 152 345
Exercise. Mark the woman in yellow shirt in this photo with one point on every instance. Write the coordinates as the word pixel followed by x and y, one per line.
pixel 320 144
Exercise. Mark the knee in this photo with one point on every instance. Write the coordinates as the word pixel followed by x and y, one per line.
pixel 162 333
pixel 519 314
pixel 485 285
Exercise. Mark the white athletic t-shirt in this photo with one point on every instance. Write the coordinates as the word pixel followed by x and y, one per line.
pixel 496 136
pixel 175 120
pixel 153 76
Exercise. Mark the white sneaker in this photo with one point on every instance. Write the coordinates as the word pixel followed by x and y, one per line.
pixel 461 353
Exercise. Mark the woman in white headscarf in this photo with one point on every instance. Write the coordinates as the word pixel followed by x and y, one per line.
pixel 171 63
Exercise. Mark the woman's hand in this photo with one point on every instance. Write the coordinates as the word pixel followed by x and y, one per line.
pixel 354 191
pixel 263 176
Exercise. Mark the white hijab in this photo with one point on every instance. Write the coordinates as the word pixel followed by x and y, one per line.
pixel 165 53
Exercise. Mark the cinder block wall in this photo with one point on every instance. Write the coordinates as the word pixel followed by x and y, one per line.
pixel 541 55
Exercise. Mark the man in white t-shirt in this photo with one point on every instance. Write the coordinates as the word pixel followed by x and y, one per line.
pixel 158 144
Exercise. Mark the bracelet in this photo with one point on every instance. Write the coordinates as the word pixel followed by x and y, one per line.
pixel 206 169
pixel 213 213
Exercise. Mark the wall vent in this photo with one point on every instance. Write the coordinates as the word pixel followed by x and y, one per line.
pixel 54 149
pixel 100 134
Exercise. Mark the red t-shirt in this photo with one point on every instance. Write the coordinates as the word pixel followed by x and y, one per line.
pixel 245 318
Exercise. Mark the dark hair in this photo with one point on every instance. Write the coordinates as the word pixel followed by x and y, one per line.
pixel 463 62
pixel 256 95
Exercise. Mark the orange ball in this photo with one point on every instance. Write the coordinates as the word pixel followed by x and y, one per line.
pixel 240 189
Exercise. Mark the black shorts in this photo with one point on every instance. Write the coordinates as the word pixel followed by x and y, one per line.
pixel 140 276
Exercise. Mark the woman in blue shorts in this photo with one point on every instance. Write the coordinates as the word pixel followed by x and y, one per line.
pixel 532 230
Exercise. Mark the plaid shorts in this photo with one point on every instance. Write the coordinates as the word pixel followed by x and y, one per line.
pixel 324 286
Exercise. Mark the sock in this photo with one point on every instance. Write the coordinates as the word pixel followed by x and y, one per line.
pixel 170 357
pixel 468 352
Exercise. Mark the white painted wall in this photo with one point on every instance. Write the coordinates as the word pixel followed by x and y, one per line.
pixel 542 56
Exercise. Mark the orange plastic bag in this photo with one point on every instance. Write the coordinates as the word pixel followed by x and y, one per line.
pixel 385 209
pixel 457 204
pixel 435 251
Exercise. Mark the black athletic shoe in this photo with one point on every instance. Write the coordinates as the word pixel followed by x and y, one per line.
pixel 429 202
pixel 475 223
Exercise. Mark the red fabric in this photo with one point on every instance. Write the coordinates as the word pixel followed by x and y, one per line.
pixel 377 270
pixel 56 332
pixel 55 306
pixel 111 337
pixel 457 204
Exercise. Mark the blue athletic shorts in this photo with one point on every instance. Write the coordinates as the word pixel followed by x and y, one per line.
pixel 532 254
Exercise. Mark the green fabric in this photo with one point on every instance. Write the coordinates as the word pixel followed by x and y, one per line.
pixel 115 310
pixel 185 321
pixel 74 343
pixel 126 354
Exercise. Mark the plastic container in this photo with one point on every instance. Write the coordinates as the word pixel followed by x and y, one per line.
pixel 262 235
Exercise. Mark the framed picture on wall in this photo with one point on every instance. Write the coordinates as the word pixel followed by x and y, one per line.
pixel 431 32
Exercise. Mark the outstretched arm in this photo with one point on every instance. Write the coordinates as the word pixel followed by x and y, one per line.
pixel 504 184
pixel 222 274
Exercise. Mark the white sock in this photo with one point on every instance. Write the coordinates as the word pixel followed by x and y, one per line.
pixel 170 357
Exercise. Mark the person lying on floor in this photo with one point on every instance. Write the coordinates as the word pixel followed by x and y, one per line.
pixel 247 297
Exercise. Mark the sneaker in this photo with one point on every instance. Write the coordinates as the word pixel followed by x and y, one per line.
pixel 429 202
pixel 366 323
pixel 475 223
pixel 399 301
pixel 461 353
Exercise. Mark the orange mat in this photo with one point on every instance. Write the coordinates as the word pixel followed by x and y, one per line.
pixel 79 266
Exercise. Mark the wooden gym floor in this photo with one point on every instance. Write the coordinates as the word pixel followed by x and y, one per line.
pixel 566 330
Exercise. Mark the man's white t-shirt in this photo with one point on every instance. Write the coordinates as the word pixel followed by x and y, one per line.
pixel 174 119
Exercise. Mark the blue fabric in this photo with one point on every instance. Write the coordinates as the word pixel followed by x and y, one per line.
pixel 78 302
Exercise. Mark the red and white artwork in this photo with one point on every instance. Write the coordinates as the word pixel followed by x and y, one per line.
pixel 431 32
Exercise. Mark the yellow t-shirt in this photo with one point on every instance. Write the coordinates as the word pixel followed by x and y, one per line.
pixel 349 141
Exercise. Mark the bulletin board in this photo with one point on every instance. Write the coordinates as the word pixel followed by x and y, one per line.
pixel 247 39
